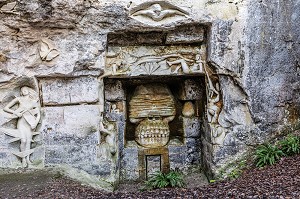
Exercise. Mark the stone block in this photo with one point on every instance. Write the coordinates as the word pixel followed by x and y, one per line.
pixel 71 125
pixel 70 154
pixel 193 34
pixel 60 91
pixel 177 149
pixel 224 153
pixel 38 156
pixel 113 90
pixel 103 168
pixel 132 39
pixel 177 157
pixel 192 90
pixel 192 127
pixel 129 164
pixel 4 139
pixel 7 158
pixel 193 151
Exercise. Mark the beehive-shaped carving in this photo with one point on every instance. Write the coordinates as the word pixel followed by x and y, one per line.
pixel 151 100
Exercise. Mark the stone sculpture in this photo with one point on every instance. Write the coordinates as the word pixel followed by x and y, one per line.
pixel 114 109
pixel 28 115
pixel 218 132
pixel 9 7
pixel 198 66
pixel 213 98
pixel 182 64
pixel 108 148
pixel 47 50
pixel 161 60
pixel 152 107
pixel 157 12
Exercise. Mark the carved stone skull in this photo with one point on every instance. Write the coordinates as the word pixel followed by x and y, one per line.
pixel 152 107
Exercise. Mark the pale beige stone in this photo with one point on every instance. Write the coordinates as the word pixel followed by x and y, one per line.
pixel 28 116
pixel 188 109
pixel 47 50
pixel 58 91
pixel 8 6
pixel 153 60
pixel 157 13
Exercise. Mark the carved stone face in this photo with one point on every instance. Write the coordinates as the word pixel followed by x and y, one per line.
pixel 152 107
pixel 24 91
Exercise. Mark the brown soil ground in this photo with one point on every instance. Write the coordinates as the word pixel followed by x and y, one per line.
pixel 278 181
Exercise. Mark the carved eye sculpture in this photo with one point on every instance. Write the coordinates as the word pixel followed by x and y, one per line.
pixel 152 107
pixel 157 12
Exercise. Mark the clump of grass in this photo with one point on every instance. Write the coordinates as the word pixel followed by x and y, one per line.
pixel 236 172
pixel 290 145
pixel 162 180
pixel 267 154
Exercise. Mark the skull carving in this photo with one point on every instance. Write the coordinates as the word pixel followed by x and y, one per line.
pixel 152 107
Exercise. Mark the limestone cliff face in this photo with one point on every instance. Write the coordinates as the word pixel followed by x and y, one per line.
pixel 58 48
pixel 272 77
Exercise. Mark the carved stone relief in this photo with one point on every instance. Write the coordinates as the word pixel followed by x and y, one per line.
pixel 152 107
pixel 157 13
pixel 108 148
pixel 26 109
pixel 9 7
pixel 149 60
pixel 213 110
pixel 47 50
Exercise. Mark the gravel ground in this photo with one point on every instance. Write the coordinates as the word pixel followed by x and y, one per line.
pixel 278 181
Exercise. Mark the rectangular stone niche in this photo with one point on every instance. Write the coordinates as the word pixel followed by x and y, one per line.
pixel 152 160
pixel 183 147
pixel 154 87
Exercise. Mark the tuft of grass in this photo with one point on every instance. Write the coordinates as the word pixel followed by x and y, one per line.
pixel 267 154
pixel 236 172
pixel 162 180
pixel 175 178
pixel 290 145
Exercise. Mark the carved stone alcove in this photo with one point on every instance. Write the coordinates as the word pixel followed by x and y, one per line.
pixel 154 89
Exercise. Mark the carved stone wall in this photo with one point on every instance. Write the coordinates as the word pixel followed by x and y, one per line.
pixel 62 50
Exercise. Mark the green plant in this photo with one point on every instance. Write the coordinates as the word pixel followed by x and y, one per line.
pixel 175 178
pixel 161 180
pixel 290 145
pixel 235 173
pixel 267 154
pixel 238 170
pixel 157 180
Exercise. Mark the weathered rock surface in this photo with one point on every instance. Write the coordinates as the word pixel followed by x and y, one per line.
pixel 249 58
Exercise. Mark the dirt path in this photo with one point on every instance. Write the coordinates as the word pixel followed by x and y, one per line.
pixel 23 183
pixel 278 181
